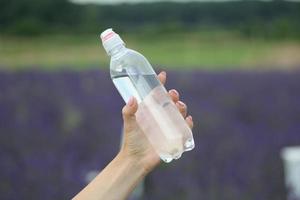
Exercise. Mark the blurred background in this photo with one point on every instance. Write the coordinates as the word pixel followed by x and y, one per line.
pixel 236 64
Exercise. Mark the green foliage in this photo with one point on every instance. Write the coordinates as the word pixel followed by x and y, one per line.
pixel 275 19
pixel 189 50
pixel 27 26
pixel 26 17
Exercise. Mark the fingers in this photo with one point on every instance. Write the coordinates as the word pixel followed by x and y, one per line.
pixel 182 108
pixel 162 76
pixel 174 95
pixel 179 104
pixel 129 110
pixel 189 121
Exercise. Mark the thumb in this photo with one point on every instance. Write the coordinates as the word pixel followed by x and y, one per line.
pixel 128 111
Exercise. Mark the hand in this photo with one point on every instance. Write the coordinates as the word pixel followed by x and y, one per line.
pixel 135 159
pixel 135 145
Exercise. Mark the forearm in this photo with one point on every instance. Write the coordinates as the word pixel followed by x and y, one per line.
pixel 115 182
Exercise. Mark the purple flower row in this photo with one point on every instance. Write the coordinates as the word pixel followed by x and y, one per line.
pixel 56 127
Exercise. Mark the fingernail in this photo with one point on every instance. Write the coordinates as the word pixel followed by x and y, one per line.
pixel 174 92
pixel 181 103
pixel 131 101
pixel 190 117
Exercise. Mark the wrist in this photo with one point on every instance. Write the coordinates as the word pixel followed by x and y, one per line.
pixel 144 164
pixel 133 163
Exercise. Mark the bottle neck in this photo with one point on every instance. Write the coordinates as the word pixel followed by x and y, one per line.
pixel 117 51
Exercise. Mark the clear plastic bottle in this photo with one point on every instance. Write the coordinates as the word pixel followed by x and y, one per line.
pixel 157 114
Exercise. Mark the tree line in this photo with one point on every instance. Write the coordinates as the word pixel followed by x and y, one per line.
pixel 251 18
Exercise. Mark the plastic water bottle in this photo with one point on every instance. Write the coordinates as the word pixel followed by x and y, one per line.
pixel 157 114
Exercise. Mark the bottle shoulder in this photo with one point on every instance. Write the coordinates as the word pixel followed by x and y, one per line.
pixel 135 53
pixel 131 60
pixel 128 54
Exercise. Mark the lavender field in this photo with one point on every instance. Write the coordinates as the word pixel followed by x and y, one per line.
pixel 56 127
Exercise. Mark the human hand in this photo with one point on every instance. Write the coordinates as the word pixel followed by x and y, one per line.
pixel 135 144
pixel 135 159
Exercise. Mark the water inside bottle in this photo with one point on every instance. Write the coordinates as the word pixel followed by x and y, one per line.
pixel 138 86
pixel 157 115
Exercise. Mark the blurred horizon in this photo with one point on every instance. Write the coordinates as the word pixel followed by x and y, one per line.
pixel 54 34
pixel 155 1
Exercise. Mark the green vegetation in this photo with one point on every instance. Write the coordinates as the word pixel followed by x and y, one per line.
pixel 270 19
pixel 55 34
pixel 204 50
